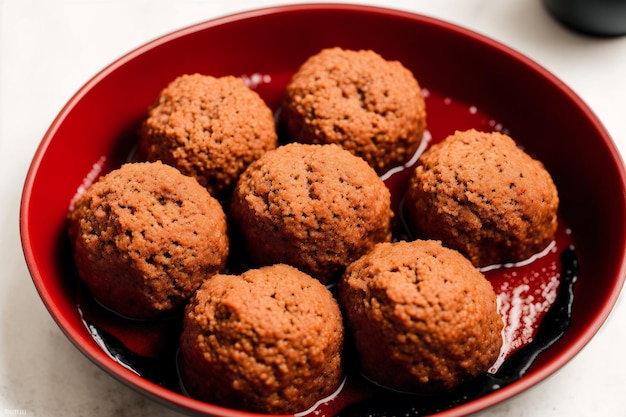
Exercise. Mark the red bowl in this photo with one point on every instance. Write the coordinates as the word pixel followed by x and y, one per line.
pixel 95 132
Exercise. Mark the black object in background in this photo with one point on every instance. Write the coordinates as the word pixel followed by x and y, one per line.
pixel 593 17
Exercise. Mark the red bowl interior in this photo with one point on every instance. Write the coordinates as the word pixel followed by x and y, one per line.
pixel 97 126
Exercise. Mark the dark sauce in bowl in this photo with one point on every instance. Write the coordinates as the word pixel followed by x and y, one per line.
pixel 535 298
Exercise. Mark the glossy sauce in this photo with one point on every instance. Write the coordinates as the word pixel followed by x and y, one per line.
pixel 527 291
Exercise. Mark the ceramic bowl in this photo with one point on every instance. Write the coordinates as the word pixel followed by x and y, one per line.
pixel 469 81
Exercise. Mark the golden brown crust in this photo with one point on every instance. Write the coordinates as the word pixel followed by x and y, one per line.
pixel 209 128
pixel 145 237
pixel 317 207
pixel 268 340
pixel 423 318
pixel 482 195
pixel 370 106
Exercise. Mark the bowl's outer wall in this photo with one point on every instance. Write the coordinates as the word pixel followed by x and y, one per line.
pixel 544 116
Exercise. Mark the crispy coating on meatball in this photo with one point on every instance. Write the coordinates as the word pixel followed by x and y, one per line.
pixel 268 340
pixel 423 318
pixel 145 236
pixel 316 207
pixel 209 128
pixel 482 195
pixel 357 99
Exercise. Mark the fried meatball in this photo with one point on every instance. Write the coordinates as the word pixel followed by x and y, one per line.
pixel 482 195
pixel 370 106
pixel 145 236
pixel 268 340
pixel 423 318
pixel 209 128
pixel 316 207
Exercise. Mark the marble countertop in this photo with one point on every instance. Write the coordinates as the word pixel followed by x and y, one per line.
pixel 49 49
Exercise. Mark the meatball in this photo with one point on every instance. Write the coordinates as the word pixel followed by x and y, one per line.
pixel 145 236
pixel 316 207
pixel 209 128
pixel 370 106
pixel 268 340
pixel 479 193
pixel 423 318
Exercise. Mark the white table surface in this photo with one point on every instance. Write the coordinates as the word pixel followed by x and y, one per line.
pixel 48 49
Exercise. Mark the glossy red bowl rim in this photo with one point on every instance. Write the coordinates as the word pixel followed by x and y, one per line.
pixel 183 403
